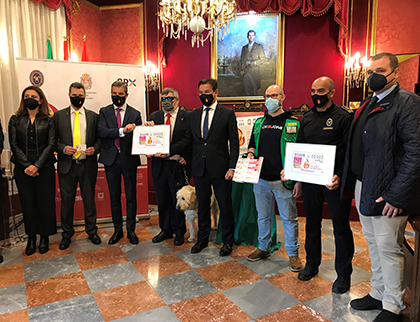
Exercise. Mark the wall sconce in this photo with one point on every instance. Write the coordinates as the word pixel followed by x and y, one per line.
pixel 151 76
pixel 356 70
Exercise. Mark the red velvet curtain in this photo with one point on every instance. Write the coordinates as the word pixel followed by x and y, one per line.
pixel 307 7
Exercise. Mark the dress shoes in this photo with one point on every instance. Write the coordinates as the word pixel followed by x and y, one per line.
pixel 226 250
pixel 132 237
pixel 366 303
pixel 341 285
pixel 388 316
pixel 65 243
pixel 95 239
pixel 161 237
pixel 179 239
pixel 30 246
pixel 44 244
pixel 198 247
pixel 115 238
pixel 307 273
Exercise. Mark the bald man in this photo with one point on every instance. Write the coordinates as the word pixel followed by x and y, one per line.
pixel 268 135
pixel 327 123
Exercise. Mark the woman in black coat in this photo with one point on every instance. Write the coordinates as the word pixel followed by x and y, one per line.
pixel 32 141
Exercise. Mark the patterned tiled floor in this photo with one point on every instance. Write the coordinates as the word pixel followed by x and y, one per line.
pixel 163 282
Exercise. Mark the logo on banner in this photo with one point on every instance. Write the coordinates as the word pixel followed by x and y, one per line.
pixel 128 81
pixel 86 80
pixel 36 78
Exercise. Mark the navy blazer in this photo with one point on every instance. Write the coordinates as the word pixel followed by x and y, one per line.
pixel 220 151
pixel 108 132
pixel 181 138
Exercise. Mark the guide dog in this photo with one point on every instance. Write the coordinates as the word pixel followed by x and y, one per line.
pixel 187 202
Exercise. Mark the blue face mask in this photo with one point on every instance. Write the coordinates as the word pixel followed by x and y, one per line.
pixel 272 105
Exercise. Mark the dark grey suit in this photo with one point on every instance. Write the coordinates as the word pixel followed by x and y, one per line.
pixel 70 173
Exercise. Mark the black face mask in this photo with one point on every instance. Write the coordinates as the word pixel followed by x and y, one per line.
pixel 77 101
pixel 30 103
pixel 167 106
pixel 206 99
pixel 376 82
pixel 118 100
pixel 320 100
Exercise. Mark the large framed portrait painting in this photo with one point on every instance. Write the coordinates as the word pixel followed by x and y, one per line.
pixel 249 58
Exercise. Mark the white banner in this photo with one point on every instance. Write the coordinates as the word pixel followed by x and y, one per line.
pixel 54 77
pixel 245 125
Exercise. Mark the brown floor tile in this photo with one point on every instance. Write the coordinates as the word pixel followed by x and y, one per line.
pixel 80 233
pixel 412 242
pixel 142 233
pixel 56 288
pixel 162 265
pixel 301 290
pixel 186 245
pixel 361 289
pixel 210 307
pixel 152 221
pixel 362 260
pixel 100 257
pixel 302 255
pixel 297 313
pixel 127 300
pixel 228 275
pixel 17 316
pixel 11 275
pixel 360 240
pixel 356 225
pixel 53 252
pixel 242 251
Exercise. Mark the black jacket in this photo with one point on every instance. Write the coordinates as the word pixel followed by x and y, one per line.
pixel 45 140
pixel 391 143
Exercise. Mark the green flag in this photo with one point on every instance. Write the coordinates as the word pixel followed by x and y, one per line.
pixel 49 50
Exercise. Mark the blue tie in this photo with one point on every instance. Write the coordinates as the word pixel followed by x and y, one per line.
pixel 206 123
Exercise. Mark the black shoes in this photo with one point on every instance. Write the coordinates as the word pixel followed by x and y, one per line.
pixel 198 247
pixel 388 316
pixel 161 237
pixel 226 250
pixel 44 244
pixel 115 238
pixel 366 303
pixel 307 273
pixel 65 243
pixel 341 285
pixel 30 246
pixel 132 237
pixel 179 239
pixel 95 239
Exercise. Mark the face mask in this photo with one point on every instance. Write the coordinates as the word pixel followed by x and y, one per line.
pixel 320 100
pixel 30 103
pixel 376 82
pixel 206 99
pixel 118 100
pixel 272 105
pixel 167 106
pixel 77 101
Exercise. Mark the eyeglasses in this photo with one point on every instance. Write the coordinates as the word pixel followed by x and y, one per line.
pixel 272 95
pixel 168 98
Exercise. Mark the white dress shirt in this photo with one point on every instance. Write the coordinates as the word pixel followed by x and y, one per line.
pixel 172 118
pixel 211 113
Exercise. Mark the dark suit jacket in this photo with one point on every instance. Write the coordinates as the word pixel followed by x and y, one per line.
pixel 181 138
pixel 255 55
pixel 219 152
pixel 64 135
pixel 108 132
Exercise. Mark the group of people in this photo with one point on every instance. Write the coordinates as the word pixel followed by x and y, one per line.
pixel 377 162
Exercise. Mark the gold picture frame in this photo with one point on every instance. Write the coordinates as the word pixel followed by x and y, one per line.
pixel 232 88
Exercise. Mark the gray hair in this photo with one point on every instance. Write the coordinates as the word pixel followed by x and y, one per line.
pixel 168 90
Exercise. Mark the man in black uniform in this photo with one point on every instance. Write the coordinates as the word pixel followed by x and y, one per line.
pixel 327 123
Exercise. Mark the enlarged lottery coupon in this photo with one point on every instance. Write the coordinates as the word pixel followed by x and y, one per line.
pixel 151 139
pixel 248 170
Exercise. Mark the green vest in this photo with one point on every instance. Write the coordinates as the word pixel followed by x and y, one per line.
pixel 289 134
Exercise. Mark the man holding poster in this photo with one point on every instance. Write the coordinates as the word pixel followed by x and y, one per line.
pixel 116 123
pixel 327 123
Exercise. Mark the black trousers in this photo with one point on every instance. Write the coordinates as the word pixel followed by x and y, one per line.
pixel 37 197
pixel 222 190
pixel 171 220
pixel 313 202
pixel 113 177
pixel 68 185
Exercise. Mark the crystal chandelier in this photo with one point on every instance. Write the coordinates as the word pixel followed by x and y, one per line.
pixel 179 16
pixel 356 69
pixel 151 76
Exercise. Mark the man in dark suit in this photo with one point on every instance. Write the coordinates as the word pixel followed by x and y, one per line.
pixel 252 55
pixel 78 145
pixel 215 151
pixel 116 123
pixel 171 220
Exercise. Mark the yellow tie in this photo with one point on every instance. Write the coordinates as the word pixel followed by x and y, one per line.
pixel 77 140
